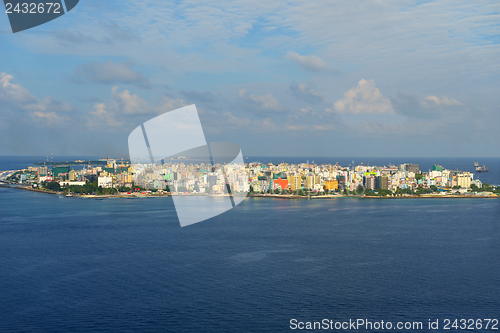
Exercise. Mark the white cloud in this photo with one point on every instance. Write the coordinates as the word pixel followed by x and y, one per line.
pixel 416 45
pixel 20 98
pixel 415 37
pixel 309 62
pixel 123 104
pixel 101 117
pixel 430 107
pixel 324 127
pixel 267 102
pixel 14 94
pixel 49 118
pixel 165 104
pixel 111 72
pixel 289 127
pixel 430 101
pixel 306 92
pixel 219 122
pixel 235 122
pixel 364 98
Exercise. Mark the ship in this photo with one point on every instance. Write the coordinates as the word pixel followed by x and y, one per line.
pixel 480 168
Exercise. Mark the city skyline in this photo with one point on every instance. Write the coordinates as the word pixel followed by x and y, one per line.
pixel 200 176
pixel 319 79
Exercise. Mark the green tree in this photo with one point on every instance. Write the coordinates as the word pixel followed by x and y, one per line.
pixel 360 189
pixel 53 186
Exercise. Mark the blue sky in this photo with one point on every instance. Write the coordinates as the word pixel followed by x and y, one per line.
pixel 279 78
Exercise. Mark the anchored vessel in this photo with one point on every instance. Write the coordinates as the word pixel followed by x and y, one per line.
pixel 480 168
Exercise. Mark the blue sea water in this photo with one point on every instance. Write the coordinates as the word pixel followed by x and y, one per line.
pixel 125 265
pixel 23 162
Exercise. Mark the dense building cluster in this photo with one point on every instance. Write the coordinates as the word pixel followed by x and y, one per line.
pixel 112 175
pixel 189 177
pixel 193 178
pixel 264 178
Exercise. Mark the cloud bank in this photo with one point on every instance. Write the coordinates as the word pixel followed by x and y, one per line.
pixel 111 73
pixel 21 99
pixel 310 62
pixel 364 98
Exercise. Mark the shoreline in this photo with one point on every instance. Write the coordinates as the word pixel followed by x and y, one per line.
pixel 272 196
pixel 278 196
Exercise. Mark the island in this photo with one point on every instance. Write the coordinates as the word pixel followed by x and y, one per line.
pixel 114 178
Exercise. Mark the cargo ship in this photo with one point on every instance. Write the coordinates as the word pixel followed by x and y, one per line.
pixel 479 168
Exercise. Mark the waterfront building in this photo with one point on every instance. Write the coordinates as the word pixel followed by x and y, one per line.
pixel 477 182
pixel 212 180
pixel 42 171
pixel 383 182
pixel 370 183
pixel 410 168
pixel 105 181
pixel 295 182
pixel 437 167
pixel 391 169
pixel 310 181
pixel 436 173
pixel 58 170
pixel 342 183
pixel 124 178
pixel 159 184
pixel 23 178
pixel 332 184
pixel 281 184
pixel 464 179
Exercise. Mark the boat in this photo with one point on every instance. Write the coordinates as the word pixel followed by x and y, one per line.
pixel 480 168
pixel 69 195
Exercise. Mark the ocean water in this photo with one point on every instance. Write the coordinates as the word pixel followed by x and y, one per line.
pixel 23 162
pixel 125 265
